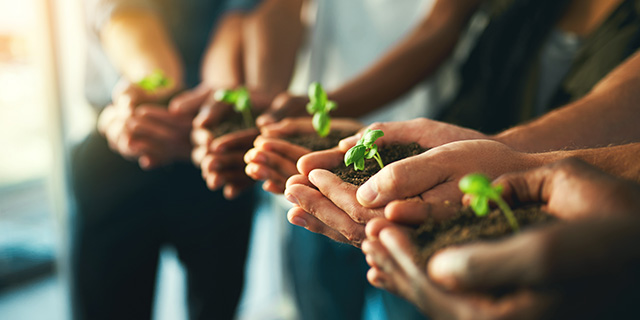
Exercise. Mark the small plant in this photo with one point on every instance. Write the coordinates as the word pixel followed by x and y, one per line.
pixel 319 106
pixel 364 149
pixel 240 100
pixel 479 187
pixel 155 81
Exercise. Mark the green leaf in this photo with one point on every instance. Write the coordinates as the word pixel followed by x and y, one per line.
pixel 154 81
pixel 321 123
pixel 372 151
pixel 480 205
pixel 317 94
pixel 359 165
pixel 227 96
pixel 331 105
pixel 370 137
pixel 313 107
pixel 353 154
pixel 242 103
pixel 475 183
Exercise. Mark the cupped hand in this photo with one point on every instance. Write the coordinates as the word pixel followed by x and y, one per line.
pixel 327 205
pixel 425 132
pixel 571 189
pixel 284 105
pixel 426 185
pixel 140 128
pixel 274 160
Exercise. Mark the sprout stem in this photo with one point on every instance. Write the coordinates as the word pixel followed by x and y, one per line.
pixel 248 119
pixel 508 213
pixel 379 160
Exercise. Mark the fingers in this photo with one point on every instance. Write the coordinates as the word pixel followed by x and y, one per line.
pixel 415 211
pixel 211 113
pixel 509 263
pixel 262 165
pixel 239 140
pixel 402 179
pixel 189 102
pixel 283 148
pixel 297 216
pixel 342 194
pixel 326 159
pixel 284 105
pixel 287 127
pixel 331 217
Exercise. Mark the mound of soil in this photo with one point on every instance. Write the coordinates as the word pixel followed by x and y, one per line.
pixel 466 227
pixel 389 154
pixel 234 122
pixel 314 142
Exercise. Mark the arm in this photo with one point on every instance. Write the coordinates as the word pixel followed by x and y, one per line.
pixel 414 58
pixel 608 115
pixel 273 34
pixel 137 43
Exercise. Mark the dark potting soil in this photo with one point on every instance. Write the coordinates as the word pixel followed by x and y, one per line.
pixel 314 142
pixel 466 227
pixel 389 154
pixel 234 122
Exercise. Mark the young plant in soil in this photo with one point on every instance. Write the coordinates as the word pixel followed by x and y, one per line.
pixel 364 149
pixel 155 81
pixel 479 187
pixel 319 106
pixel 240 100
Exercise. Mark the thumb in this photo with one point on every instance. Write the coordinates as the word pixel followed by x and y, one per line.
pixel 400 180
pixel 189 102
pixel 284 105
pixel 513 262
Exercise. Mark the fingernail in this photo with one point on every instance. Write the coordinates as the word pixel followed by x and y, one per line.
pixel 299 222
pixel 292 199
pixel 368 192
pixel 445 268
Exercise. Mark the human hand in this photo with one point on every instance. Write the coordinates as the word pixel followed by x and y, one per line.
pixel 561 271
pixel 139 127
pixel 571 189
pixel 425 132
pixel 274 160
pixel 284 105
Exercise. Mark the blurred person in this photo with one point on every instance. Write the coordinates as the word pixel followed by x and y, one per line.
pixel 585 267
pixel 433 175
pixel 134 189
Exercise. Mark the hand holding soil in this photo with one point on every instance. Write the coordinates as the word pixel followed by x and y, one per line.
pixel 563 270
pixel 139 126
pixel 280 145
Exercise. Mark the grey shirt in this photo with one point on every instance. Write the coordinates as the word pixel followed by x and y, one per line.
pixel 189 22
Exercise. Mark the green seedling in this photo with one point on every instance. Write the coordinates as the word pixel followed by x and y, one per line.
pixel 479 187
pixel 319 106
pixel 364 149
pixel 240 100
pixel 155 81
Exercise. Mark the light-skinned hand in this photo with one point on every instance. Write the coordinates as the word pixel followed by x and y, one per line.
pixel 273 159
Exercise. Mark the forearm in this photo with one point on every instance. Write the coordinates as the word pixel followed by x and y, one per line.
pixel 609 115
pixel 273 34
pixel 412 60
pixel 621 161
pixel 138 44
pixel 222 64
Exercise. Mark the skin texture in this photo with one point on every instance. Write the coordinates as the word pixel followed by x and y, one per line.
pixel 415 57
pixel 429 181
pixel 273 160
pixel 236 57
pixel 136 124
pixel 543 268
